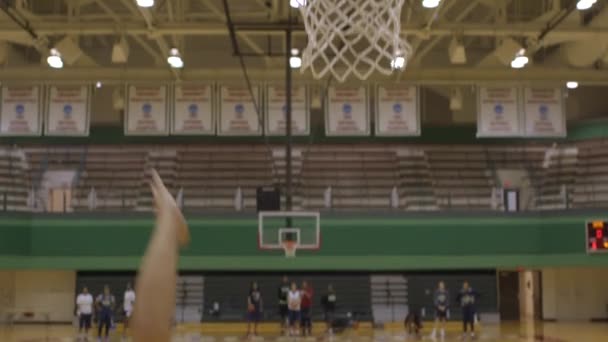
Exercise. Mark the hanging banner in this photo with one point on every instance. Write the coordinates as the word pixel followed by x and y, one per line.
pixel 347 111
pixel 193 110
pixel 20 111
pixel 544 111
pixel 238 115
pixel 146 112
pixel 397 111
pixel 68 110
pixel 498 112
pixel 276 110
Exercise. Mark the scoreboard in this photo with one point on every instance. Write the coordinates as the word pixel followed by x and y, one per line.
pixel 597 236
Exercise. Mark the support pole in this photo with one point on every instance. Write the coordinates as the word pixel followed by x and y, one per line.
pixel 289 142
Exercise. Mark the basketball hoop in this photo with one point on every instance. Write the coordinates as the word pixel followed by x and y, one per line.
pixel 354 37
pixel 290 248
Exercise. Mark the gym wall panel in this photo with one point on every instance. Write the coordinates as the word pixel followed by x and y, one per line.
pixel 50 291
pixel 435 240
pixel 7 292
pixel 575 294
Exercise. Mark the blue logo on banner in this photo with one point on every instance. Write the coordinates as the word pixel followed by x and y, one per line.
pixel 239 109
pixel 19 111
pixel 146 109
pixel 67 111
pixel 543 110
pixel 347 110
pixel 499 109
pixel 397 108
pixel 193 110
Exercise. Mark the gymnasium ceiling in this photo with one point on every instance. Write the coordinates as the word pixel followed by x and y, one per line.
pixel 563 43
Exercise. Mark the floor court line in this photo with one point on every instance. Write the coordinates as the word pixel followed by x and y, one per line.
pixel 545 332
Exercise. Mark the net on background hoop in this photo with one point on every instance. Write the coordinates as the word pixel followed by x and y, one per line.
pixel 290 248
pixel 353 37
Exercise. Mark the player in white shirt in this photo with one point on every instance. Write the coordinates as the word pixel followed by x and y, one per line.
pixel 128 302
pixel 294 301
pixel 84 311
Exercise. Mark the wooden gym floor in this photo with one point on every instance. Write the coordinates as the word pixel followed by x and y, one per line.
pixel 548 332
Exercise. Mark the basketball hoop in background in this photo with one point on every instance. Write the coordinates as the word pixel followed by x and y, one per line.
pixel 353 37
pixel 290 248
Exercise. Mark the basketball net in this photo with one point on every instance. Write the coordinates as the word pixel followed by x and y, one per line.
pixel 290 248
pixel 355 37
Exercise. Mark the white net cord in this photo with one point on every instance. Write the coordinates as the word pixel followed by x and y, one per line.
pixel 353 37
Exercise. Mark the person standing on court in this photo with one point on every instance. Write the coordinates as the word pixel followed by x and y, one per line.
pixel 105 306
pixel 283 309
pixel 84 311
pixel 467 298
pixel 306 309
pixel 128 302
pixel 441 302
pixel 294 302
pixel 254 309
pixel 328 302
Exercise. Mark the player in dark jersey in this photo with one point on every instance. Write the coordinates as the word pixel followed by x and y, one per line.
pixel 467 298
pixel 105 306
pixel 441 300
pixel 283 309
pixel 328 302
pixel 254 309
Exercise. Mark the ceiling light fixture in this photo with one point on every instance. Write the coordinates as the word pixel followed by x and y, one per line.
pixel 295 61
pixel 145 3
pixel 174 59
pixel 582 5
pixel 430 3
pixel 297 3
pixel 54 59
pixel 520 60
pixel 572 85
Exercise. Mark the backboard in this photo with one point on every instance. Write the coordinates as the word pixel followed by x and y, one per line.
pixel 294 229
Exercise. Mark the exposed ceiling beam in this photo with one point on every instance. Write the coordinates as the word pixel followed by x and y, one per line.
pixel 438 76
pixel 157 57
pixel 198 29
pixel 160 41
pixel 419 55
pixel 252 45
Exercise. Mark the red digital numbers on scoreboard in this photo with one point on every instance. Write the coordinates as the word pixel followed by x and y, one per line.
pixel 597 236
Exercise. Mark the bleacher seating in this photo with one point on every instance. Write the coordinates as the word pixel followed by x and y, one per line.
pixel 462 177
pixel 14 185
pixel 164 162
pixel 210 176
pixel 556 178
pixel 590 189
pixel 115 174
pixel 415 181
pixel 359 178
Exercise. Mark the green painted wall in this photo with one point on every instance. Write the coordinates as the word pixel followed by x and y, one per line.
pixel 364 243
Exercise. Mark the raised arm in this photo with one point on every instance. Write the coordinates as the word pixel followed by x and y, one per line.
pixel 156 282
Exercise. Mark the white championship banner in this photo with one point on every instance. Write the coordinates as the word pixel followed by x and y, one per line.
pixel 275 111
pixel 544 112
pixel 68 110
pixel 20 112
pixel 146 112
pixel 237 111
pixel 347 111
pixel 397 111
pixel 498 112
pixel 193 110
